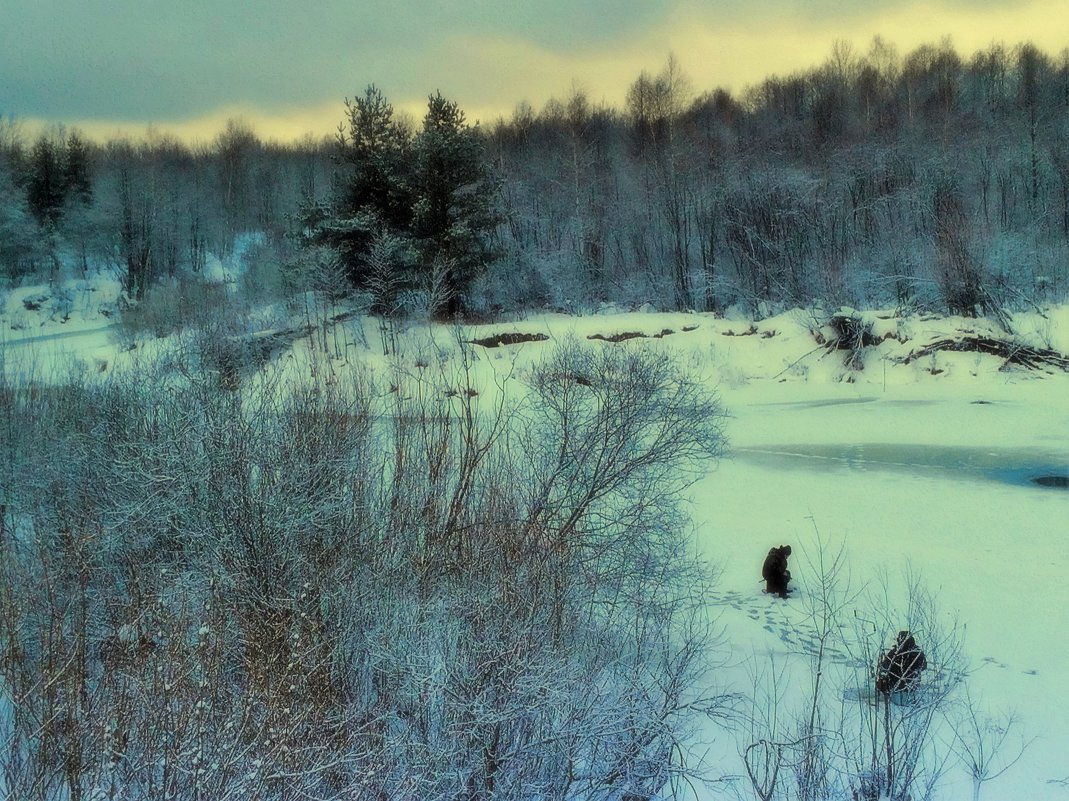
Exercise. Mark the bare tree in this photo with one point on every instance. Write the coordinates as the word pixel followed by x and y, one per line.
pixel 988 744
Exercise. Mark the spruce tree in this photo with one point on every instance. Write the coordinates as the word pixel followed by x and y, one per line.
pixel 454 213
pixel 45 189
pixel 77 183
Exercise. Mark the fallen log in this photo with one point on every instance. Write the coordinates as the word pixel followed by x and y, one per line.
pixel 497 340
pixel 626 335
pixel 1012 352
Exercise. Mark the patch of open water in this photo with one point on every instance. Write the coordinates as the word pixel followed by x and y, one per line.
pixel 1037 469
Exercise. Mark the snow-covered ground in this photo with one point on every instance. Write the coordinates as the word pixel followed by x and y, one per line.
pixel 48 330
pixel 910 479
pixel 919 466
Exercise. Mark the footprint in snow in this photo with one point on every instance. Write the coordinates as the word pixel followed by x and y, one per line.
pixel 992 661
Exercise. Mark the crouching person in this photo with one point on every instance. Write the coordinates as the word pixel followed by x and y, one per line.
pixel 775 572
pixel 899 670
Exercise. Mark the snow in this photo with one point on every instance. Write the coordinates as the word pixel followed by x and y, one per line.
pixel 48 330
pixel 228 270
pixel 915 467
pixel 994 552
pixel 900 465
pixel 33 311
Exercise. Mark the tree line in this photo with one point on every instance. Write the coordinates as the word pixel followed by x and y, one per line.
pixel 873 178
pixel 150 209
pixel 929 178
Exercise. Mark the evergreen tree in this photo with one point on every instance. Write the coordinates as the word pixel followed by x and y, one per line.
pixel 376 152
pixel 45 189
pixel 77 183
pixel 454 213
pixel 371 196
pixel 19 236
pixel 431 194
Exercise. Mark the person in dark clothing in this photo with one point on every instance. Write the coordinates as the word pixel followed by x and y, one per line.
pixel 900 668
pixel 775 572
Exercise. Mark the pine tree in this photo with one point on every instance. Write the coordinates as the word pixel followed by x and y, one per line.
pixel 376 151
pixel 19 235
pixel 371 195
pixel 431 194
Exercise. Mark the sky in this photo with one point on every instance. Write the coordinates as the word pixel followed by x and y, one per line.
pixel 118 66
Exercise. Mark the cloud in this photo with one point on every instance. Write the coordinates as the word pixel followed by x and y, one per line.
pixel 145 58
pixel 151 59
pixel 130 62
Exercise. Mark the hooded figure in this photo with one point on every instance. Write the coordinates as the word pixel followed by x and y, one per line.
pixel 900 668
pixel 775 572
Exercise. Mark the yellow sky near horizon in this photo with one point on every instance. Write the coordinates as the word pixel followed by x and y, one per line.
pixel 488 75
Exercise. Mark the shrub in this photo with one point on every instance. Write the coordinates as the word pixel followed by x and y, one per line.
pixel 170 306
pixel 327 590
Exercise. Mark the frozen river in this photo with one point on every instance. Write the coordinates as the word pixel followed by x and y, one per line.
pixel 926 482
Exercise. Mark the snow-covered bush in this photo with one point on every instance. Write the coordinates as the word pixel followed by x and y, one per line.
pixel 339 590
pixel 173 305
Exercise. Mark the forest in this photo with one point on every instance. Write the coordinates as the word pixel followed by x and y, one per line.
pixel 929 179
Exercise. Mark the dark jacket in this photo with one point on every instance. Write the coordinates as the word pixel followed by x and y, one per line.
pixel 900 668
pixel 774 571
